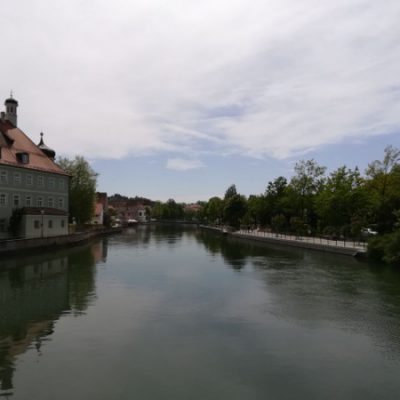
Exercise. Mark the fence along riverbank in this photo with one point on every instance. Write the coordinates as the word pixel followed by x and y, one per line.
pixel 344 247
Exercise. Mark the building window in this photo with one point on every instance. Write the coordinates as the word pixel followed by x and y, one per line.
pixel 50 202
pixel 40 181
pixel 23 158
pixel 28 201
pixel 3 225
pixel 50 223
pixel 17 178
pixel 39 201
pixel 3 199
pixel 16 200
pixel 36 224
pixel 51 183
pixel 60 202
pixel 61 184
pixel 3 177
pixel 29 180
pixel 62 223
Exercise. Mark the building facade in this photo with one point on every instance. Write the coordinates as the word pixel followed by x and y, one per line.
pixel 31 182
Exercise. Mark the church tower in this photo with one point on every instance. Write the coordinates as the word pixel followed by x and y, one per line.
pixel 11 110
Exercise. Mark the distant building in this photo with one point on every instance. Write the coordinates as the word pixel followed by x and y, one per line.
pixel 30 181
pixel 100 208
pixel 128 210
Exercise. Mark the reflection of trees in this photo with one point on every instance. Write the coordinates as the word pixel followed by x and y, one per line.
pixel 160 234
pixel 237 252
pixel 81 273
pixel 320 288
pixel 35 291
pixel 235 256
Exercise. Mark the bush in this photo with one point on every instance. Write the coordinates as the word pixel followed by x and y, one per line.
pixel 392 249
pixel 385 248
pixel 376 248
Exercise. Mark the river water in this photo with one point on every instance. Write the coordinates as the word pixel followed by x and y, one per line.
pixel 171 313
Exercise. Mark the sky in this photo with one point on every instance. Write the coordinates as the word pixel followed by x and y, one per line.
pixel 182 98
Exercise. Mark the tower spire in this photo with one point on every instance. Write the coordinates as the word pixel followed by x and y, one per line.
pixel 11 109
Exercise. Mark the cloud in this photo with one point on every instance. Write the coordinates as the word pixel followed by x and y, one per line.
pixel 180 164
pixel 269 79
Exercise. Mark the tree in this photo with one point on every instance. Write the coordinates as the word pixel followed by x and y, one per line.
pixel 342 205
pixel 82 193
pixel 306 183
pixel 214 210
pixel 235 208
pixel 230 192
pixel 384 188
pixel 255 210
pixel 15 222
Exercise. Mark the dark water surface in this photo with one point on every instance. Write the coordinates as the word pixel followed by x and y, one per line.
pixel 164 313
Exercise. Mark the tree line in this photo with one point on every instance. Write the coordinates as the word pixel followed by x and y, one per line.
pixel 341 204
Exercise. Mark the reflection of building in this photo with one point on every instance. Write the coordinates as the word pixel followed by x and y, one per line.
pixel 35 291
pixel 31 299
pixel 30 181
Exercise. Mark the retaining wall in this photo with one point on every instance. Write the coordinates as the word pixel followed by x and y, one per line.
pixel 348 251
pixel 18 245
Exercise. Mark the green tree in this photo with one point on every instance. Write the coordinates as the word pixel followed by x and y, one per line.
pixel 82 188
pixel 384 188
pixel 214 210
pixel 234 209
pixel 256 208
pixel 230 192
pixel 275 200
pixel 306 183
pixel 342 204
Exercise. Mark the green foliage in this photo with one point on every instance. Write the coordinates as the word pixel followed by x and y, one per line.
pixel 214 210
pixel 342 201
pixel 392 249
pixel 82 188
pixel 14 225
pixel 230 192
pixel 169 210
pixel 278 223
pixel 384 188
pixel 340 205
pixel 234 210
pixel 385 248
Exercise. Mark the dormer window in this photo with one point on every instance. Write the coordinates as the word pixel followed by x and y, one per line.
pixel 23 158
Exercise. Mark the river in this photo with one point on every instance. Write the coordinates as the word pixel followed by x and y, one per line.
pixel 170 313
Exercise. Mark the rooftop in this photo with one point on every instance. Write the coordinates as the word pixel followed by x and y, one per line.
pixel 14 141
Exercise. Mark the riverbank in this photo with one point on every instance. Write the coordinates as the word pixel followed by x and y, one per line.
pixel 348 248
pixel 19 245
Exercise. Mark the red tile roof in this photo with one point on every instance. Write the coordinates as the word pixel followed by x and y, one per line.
pixel 13 141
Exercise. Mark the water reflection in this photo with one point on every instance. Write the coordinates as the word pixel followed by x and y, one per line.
pixel 237 252
pixel 159 235
pixel 35 291
pixel 177 313
pixel 319 289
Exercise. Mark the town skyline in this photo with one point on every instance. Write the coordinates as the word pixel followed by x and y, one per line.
pixel 184 100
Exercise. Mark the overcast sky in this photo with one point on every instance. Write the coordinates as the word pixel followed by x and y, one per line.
pixel 181 98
